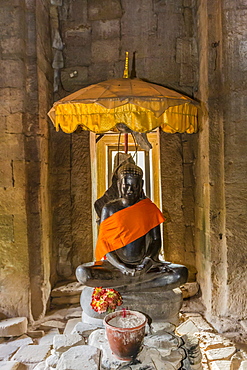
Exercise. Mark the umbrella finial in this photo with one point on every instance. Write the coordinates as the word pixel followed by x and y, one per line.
pixel 126 66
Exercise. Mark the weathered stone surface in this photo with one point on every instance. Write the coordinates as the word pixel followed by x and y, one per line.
pixel 63 342
pixel 109 29
pixel 244 324
pixel 165 342
pixel 187 327
pixel 220 353
pixel 59 301
pixel 220 365
pixel 98 339
pixel 13 327
pixel 35 333
pixel 12 365
pixel 175 358
pixel 78 39
pixel 151 358
pixel 105 51
pixel 62 314
pixel 32 354
pixel 189 289
pixel 84 329
pixel 158 328
pixel 8 348
pixel 40 366
pixel 111 10
pixel 10 76
pixel 52 324
pixel 52 360
pixel 74 77
pixel 237 359
pixel 243 365
pixel 48 337
pixel 158 304
pixel 76 356
pixel 212 341
pixel 70 325
pixel 191 346
pixel 200 322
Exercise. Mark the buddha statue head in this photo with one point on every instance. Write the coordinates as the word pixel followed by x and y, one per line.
pixel 130 182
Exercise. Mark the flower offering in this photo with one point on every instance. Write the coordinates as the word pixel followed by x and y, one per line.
pixel 105 300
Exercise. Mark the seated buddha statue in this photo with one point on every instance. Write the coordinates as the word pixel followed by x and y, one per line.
pixel 129 242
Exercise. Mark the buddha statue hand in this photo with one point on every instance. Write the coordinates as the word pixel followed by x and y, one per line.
pixel 138 270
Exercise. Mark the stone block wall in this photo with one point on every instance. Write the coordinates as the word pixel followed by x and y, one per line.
pixel 95 36
pixel 222 162
pixel 25 97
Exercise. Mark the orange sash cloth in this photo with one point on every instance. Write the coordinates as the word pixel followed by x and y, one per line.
pixel 127 225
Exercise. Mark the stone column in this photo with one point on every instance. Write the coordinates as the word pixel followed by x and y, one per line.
pixel 221 170
pixel 24 202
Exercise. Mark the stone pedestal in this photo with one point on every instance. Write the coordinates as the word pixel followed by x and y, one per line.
pixel 157 304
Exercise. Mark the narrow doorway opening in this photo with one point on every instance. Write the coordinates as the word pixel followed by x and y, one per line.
pixel 102 160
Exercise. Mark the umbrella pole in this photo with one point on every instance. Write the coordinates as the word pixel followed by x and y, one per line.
pixel 126 143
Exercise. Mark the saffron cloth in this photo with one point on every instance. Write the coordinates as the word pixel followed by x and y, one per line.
pixel 127 225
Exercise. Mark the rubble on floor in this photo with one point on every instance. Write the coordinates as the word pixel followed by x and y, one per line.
pixel 62 341
pixel 194 344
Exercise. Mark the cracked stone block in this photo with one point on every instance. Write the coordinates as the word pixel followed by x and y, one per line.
pixel 187 327
pixel 175 358
pixel 84 329
pixel 158 328
pixel 151 358
pixel 220 353
pixel 76 356
pixel 167 342
pixel 62 342
pixel 7 349
pixel 13 327
pixel 32 353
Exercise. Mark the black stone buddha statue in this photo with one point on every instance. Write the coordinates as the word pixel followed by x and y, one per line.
pixel 129 242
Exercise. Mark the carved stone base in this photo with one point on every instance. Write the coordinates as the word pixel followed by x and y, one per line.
pixel 157 304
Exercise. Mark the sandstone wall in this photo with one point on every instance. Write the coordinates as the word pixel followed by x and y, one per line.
pixel 221 168
pixel 95 39
pixel 24 215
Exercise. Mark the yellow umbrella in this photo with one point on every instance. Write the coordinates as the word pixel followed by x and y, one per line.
pixel 140 105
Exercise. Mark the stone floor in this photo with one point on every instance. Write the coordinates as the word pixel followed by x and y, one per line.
pixel 60 336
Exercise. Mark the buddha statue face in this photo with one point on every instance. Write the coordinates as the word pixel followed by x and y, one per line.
pixel 130 182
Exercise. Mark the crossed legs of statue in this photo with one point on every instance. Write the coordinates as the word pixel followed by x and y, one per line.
pixel 162 274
